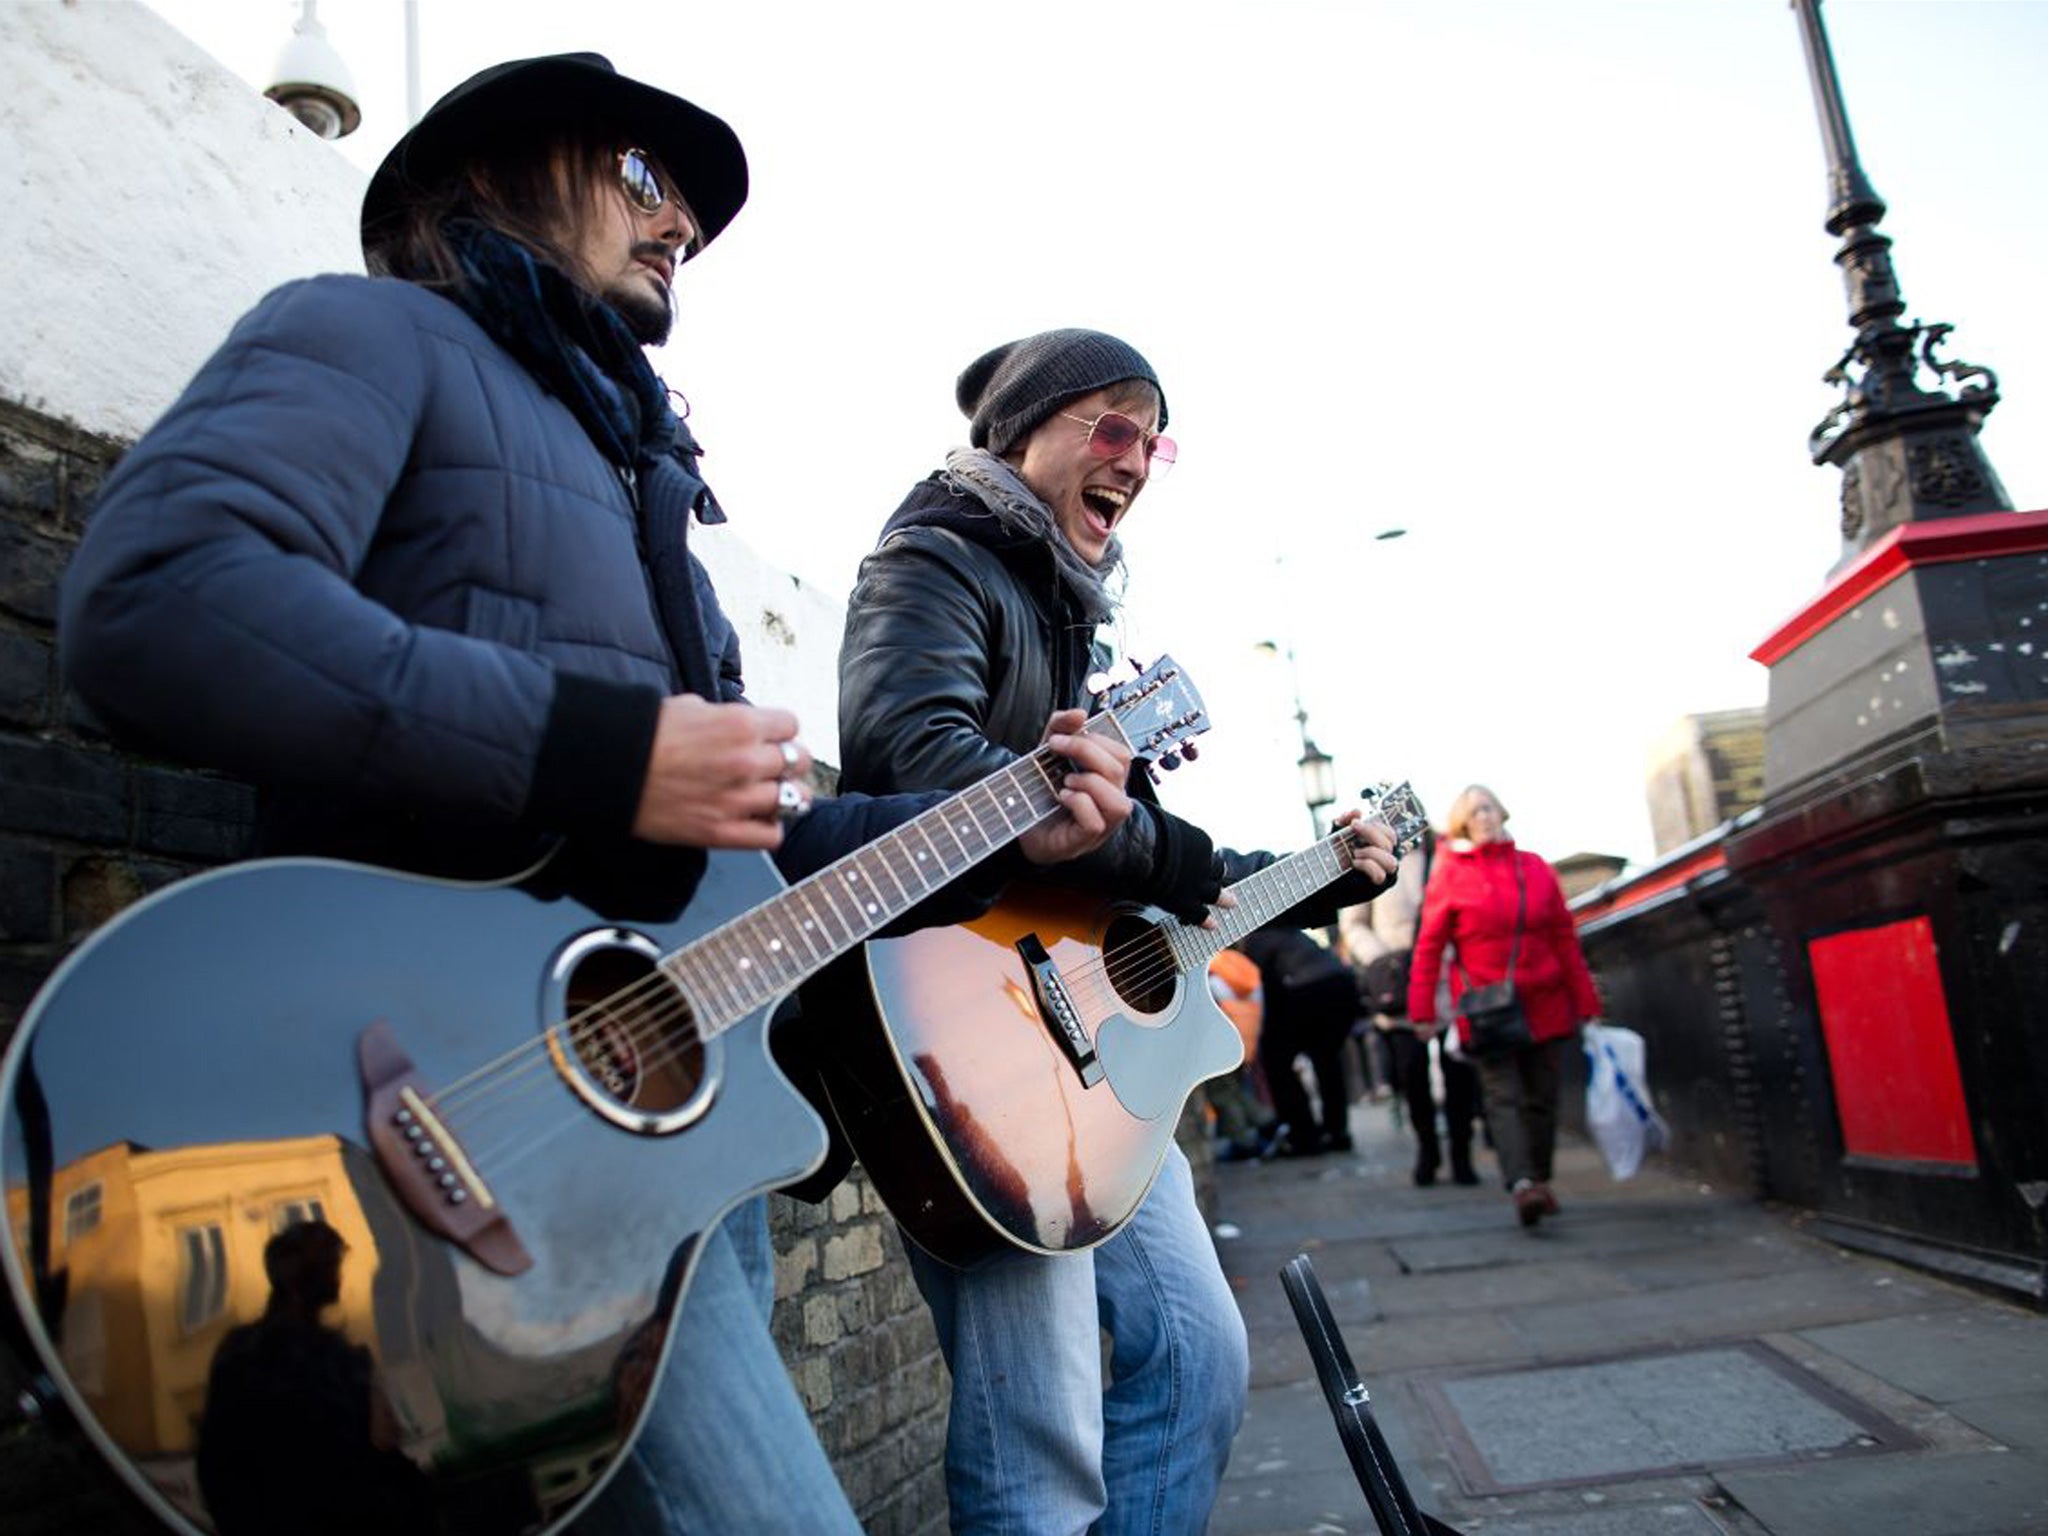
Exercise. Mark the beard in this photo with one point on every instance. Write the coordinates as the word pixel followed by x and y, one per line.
pixel 648 318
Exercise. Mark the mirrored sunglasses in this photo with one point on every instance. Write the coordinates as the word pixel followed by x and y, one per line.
pixel 1112 434
pixel 640 180
pixel 643 187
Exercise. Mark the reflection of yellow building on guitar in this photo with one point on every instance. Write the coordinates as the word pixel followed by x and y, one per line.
pixel 161 1253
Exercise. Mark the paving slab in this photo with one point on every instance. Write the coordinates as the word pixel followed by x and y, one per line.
pixel 1984 1351
pixel 1734 1257
pixel 1430 1339
pixel 1494 1288
pixel 1499 1241
pixel 1629 1417
pixel 1994 1494
pixel 1439 1285
pixel 1319 1501
pixel 1665 1519
pixel 2018 1420
pixel 1797 1300
pixel 1254 1274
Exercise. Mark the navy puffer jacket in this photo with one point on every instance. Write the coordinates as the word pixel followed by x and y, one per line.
pixel 369 564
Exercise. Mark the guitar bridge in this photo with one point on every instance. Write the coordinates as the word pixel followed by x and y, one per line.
pixel 1056 1008
pixel 425 1163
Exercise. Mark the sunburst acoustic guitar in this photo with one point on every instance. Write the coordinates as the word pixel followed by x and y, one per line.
pixel 1024 1072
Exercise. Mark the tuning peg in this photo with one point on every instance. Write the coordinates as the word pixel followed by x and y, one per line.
pixel 1189 752
pixel 1152 773
pixel 1169 761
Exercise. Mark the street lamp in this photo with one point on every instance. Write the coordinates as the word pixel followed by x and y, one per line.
pixel 1906 453
pixel 1318 772
pixel 1318 769
pixel 1318 779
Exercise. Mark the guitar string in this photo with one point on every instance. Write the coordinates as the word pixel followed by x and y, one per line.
pixel 655 1020
pixel 677 1043
pixel 1089 981
pixel 1086 981
pixel 662 1044
pixel 1098 981
pixel 660 1002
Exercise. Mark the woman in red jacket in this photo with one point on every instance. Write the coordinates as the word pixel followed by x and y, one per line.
pixel 1488 901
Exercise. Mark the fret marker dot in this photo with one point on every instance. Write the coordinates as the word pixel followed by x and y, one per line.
pixel 775 944
pixel 809 925
pixel 872 909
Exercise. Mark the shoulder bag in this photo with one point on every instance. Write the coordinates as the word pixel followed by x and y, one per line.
pixel 1493 1014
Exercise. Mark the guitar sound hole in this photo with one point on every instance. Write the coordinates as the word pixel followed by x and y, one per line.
pixel 1140 965
pixel 632 1031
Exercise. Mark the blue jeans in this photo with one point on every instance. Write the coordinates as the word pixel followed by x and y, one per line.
pixel 1035 1445
pixel 726 1446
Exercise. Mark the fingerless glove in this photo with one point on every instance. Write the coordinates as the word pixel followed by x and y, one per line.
pixel 1186 877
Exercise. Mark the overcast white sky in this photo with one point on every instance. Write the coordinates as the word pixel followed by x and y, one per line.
pixel 1542 282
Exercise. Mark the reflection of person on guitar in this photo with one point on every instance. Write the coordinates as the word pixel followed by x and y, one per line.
pixel 411 555
pixel 974 616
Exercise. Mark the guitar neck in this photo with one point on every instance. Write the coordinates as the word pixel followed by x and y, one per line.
pixel 760 956
pixel 1262 897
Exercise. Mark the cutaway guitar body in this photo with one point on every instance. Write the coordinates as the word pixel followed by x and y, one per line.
pixel 1050 1134
pixel 1013 1083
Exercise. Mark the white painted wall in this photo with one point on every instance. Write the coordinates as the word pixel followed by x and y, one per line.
pixel 152 197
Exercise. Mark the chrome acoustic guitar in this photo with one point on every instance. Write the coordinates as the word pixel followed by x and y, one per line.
pixel 356 1186
pixel 1025 1072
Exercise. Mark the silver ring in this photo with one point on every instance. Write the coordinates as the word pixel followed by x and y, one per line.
pixel 790 800
pixel 790 757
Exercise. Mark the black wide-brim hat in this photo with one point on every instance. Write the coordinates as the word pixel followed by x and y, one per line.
pixel 697 149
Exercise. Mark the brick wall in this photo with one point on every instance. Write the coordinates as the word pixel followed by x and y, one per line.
pixel 84 830
pixel 861 1347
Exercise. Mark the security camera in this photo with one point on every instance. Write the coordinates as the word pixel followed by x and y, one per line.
pixel 313 84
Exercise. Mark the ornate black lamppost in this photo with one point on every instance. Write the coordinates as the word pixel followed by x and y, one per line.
pixel 1318 778
pixel 1318 770
pixel 1906 453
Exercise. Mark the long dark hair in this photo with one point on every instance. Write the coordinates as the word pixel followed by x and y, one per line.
pixel 532 188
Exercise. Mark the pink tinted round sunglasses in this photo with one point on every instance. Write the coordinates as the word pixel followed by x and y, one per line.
pixel 1111 435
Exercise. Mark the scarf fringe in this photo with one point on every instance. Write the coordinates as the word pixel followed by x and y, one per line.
pixel 978 473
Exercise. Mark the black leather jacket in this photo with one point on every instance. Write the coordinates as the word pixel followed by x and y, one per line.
pixel 960 640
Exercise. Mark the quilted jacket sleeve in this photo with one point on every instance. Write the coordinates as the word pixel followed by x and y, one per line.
pixel 211 611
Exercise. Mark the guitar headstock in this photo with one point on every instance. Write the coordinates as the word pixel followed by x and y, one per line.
pixel 1396 806
pixel 1158 711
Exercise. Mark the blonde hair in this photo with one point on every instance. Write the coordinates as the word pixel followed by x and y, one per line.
pixel 1456 823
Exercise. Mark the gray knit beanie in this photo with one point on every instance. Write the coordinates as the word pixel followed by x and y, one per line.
pixel 1006 392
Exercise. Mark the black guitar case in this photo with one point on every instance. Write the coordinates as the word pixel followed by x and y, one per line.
pixel 1386 1493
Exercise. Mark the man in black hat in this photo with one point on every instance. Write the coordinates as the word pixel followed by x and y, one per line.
pixel 411 554
pixel 975 614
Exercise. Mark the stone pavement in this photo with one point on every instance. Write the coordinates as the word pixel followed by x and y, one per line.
pixel 1663 1359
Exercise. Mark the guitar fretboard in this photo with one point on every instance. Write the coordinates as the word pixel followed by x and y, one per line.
pixel 757 957
pixel 1261 897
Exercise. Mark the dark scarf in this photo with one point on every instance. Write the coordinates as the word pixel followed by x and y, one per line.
pixel 576 345
pixel 580 350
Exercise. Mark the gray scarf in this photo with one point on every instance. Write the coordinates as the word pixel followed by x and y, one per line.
pixel 978 473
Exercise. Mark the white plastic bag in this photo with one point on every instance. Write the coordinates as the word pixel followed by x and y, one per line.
pixel 1618 1113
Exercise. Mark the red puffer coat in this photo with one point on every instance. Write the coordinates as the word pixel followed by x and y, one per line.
pixel 1470 906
